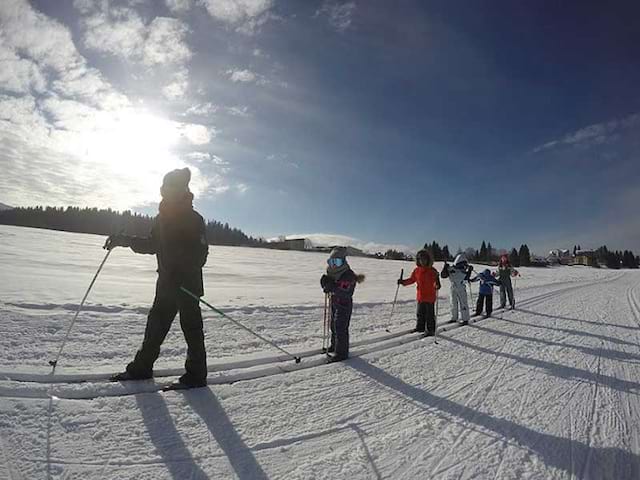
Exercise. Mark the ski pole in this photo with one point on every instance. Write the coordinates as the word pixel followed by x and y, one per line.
pixel 324 323
pixel 393 305
pixel 435 332
pixel 235 322
pixel 54 363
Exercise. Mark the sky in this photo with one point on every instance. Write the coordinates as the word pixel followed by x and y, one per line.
pixel 377 123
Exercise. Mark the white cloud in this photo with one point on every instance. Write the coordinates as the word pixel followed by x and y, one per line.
pixel 82 143
pixel 242 76
pixel 238 111
pixel 248 76
pixel 19 75
pixel 246 16
pixel 46 46
pixel 596 134
pixel 165 43
pixel 178 86
pixel 196 134
pixel 179 6
pixel 121 32
pixel 202 109
pixel 339 15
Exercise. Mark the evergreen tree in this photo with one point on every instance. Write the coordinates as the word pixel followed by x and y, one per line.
pixel 524 256
pixel 106 222
pixel 489 252
pixel 514 258
pixel 483 252
pixel 446 256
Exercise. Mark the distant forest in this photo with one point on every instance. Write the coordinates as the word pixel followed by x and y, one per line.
pixel 106 222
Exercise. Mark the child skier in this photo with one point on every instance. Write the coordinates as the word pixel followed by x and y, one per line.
pixel 504 274
pixel 340 282
pixel 485 294
pixel 458 274
pixel 428 284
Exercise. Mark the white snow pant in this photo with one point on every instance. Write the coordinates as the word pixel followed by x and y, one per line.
pixel 459 299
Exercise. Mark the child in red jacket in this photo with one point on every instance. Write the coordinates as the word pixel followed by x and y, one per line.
pixel 428 282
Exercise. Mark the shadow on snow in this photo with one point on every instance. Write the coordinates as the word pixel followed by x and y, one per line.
pixel 608 462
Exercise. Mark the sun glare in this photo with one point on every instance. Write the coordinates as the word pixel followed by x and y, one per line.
pixel 132 146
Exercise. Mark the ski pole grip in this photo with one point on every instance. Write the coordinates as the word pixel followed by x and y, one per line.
pixel 401 273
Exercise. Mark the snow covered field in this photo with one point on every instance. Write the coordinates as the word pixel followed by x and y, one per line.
pixel 547 391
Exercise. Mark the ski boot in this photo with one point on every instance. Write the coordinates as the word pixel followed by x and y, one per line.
pixel 335 358
pixel 128 376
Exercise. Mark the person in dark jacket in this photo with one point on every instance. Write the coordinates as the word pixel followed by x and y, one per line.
pixel 178 240
pixel 504 274
pixel 340 283
pixel 485 294
pixel 428 283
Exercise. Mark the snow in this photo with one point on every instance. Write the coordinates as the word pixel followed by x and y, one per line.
pixel 547 391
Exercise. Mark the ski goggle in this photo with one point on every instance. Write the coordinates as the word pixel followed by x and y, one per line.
pixel 335 262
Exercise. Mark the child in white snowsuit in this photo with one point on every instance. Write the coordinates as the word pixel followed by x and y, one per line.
pixel 458 275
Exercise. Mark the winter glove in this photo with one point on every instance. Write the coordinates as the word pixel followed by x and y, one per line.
pixel 116 240
pixel 400 281
pixel 327 284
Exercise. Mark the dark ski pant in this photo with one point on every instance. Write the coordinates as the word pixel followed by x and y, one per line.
pixel 506 289
pixel 170 300
pixel 340 320
pixel 483 298
pixel 426 316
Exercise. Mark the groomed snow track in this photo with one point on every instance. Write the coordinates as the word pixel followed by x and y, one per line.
pixel 95 385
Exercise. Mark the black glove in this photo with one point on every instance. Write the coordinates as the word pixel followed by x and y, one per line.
pixel 400 281
pixel 116 240
pixel 327 283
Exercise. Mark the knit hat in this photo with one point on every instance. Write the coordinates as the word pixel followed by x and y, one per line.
pixel 338 252
pixel 175 183
pixel 423 258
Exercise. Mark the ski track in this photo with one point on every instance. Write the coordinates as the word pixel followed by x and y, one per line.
pixel 546 391
pixel 273 365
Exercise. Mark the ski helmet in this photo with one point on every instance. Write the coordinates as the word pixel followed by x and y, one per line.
pixel 337 262
pixel 459 260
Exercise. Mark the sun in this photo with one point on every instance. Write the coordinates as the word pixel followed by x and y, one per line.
pixel 131 145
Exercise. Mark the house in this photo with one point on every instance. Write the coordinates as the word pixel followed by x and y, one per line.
pixel 559 256
pixel 298 244
pixel 585 257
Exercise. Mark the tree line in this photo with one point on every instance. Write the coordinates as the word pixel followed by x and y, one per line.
pixel 616 259
pixel 108 221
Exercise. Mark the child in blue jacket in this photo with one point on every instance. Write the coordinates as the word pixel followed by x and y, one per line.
pixel 487 282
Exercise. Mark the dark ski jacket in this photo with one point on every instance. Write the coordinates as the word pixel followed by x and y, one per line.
pixel 487 282
pixel 181 248
pixel 342 288
pixel 505 272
